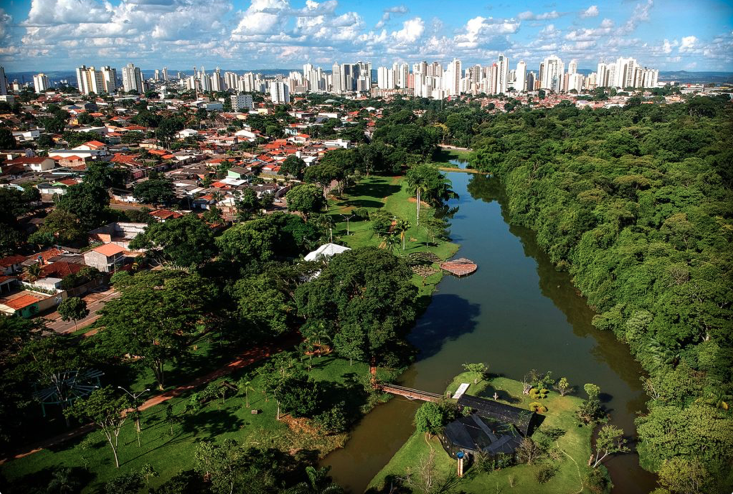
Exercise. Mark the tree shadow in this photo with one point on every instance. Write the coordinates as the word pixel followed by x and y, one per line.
pixel 49 479
pixel 446 319
pixel 210 423
pixel 501 395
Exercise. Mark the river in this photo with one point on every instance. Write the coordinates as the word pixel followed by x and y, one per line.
pixel 515 313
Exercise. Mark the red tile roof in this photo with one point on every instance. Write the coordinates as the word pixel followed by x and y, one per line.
pixel 109 250
pixel 22 302
pixel 8 261
pixel 94 144
pixel 60 269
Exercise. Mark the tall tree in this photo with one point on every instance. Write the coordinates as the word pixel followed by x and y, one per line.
pixel 106 410
pixel 369 288
pixel 429 185
pixel 73 309
pixel 156 317
pixel 306 199
pixel 184 242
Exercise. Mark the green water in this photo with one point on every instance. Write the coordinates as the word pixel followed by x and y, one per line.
pixel 515 313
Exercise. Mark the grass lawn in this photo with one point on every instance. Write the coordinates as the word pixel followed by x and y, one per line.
pixel 169 454
pixel 571 453
pixel 391 194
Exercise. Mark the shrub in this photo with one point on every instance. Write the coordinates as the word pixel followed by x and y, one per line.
pixel 597 481
pixel 537 407
pixel 544 473
pixel 333 421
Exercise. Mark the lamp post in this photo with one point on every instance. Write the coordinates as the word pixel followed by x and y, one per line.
pixel 135 397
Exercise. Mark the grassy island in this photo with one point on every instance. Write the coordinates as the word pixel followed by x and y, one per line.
pixel 566 448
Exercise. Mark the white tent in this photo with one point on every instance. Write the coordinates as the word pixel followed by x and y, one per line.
pixel 326 250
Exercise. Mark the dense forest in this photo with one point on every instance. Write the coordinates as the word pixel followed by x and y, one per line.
pixel 636 203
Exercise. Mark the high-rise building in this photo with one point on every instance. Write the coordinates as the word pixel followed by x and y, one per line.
pixel 520 78
pixel 573 67
pixel 531 81
pixel 165 74
pixel 551 73
pixel 336 78
pixel 109 79
pixel 455 74
pixel 242 101
pixel 502 65
pixel 625 72
pixel 3 82
pixel 279 93
pixel 40 83
pixel 132 79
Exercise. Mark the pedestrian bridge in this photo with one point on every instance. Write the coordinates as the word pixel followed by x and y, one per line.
pixel 410 393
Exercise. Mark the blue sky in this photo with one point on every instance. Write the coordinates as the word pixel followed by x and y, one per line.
pixel 49 35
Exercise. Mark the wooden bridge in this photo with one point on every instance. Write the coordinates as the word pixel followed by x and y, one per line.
pixel 410 393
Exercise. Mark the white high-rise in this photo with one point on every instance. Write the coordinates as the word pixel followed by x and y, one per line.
pixel 109 79
pixel 552 70
pixel 502 65
pixel 40 83
pixel 132 79
pixel 520 78
pixel 453 81
pixel 279 93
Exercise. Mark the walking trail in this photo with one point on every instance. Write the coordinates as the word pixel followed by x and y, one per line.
pixel 247 358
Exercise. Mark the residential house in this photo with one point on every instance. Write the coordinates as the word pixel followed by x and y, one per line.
pixel 106 258
pixel 118 233
pixel 35 163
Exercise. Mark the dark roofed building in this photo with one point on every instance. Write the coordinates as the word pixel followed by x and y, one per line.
pixel 524 420
pixel 473 434
pixel 493 428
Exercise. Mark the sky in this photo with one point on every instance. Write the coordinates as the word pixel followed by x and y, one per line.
pixel 54 35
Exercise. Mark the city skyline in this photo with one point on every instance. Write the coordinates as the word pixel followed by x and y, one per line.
pixel 55 35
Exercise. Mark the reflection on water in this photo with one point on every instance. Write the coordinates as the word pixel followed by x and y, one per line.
pixel 515 313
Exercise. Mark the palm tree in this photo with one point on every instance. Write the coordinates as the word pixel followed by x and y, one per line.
pixel 401 226
pixel 418 185
pixel 33 272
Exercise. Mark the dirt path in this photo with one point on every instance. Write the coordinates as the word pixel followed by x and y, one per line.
pixel 247 358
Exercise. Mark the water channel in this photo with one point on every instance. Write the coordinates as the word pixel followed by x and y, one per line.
pixel 515 313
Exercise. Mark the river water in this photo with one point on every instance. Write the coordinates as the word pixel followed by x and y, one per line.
pixel 515 313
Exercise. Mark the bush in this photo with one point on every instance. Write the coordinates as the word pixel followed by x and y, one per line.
pixel 124 484
pixel 598 482
pixel 537 407
pixel 544 474
pixel 333 421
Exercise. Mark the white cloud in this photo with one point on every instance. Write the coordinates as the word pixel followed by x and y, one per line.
pixel 640 14
pixel 262 17
pixel 529 16
pixel 387 15
pixel 588 34
pixel 411 31
pixel 667 46
pixel 480 30
pixel 5 22
pixel 56 12
pixel 689 44
pixel 591 11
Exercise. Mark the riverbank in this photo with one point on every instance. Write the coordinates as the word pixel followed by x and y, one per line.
pixel 567 448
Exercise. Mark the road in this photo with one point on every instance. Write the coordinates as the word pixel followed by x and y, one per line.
pixel 95 301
